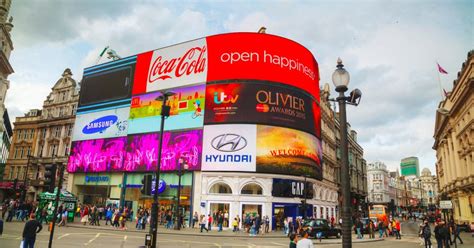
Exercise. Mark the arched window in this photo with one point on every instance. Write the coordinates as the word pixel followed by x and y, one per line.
pixel 252 189
pixel 220 188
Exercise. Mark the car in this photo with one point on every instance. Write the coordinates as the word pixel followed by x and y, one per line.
pixel 322 226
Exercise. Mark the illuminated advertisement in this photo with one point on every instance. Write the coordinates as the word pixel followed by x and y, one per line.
pixel 228 57
pixel 290 152
pixel 102 124
pixel 259 103
pixel 229 148
pixel 171 67
pixel 187 110
pixel 142 150
pixel 137 152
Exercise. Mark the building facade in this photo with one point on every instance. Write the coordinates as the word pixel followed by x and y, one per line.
pixel 379 182
pixel 410 167
pixel 43 137
pixel 454 139
pixel 429 183
pixel 357 172
pixel 6 69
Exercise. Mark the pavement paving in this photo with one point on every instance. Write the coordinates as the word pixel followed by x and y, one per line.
pixel 76 235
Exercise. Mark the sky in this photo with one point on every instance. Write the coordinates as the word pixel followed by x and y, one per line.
pixel 390 49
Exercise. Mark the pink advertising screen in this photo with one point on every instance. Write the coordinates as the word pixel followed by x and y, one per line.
pixel 137 152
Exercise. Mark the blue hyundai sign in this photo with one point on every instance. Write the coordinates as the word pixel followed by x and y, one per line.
pixel 100 125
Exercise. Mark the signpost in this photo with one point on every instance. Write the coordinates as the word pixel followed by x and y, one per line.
pixel 445 205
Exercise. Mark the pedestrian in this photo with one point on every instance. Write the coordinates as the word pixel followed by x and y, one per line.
pixel 220 221
pixel 63 218
pixel 305 242
pixel 234 225
pixel 381 229
pixel 209 222
pixel 438 236
pixel 203 223
pixel 85 215
pixel 108 216
pixel 32 227
pixel 238 222
pixel 444 232
pixel 426 233
pixel 457 231
pixel 371 229
pixel 267 224
pixel 195 218
pixel 359 227
pixel 398 227
pixel 293 240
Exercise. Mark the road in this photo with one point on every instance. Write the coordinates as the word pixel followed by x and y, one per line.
pixel 109 238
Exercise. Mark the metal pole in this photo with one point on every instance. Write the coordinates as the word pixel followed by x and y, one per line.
pixel 304 203
pixel 178 216
pixel 154 208
pixel 56 203
pixel 345 179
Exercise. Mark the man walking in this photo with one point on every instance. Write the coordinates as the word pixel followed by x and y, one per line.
pixel 456 231
pixel 305 242
pixel 426 234
pixel 32 227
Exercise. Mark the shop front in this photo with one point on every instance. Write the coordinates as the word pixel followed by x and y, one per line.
pixel 167 193
pixel 100 189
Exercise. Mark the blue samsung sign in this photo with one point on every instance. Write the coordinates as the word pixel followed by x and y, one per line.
pixel 94 179
pixel 100 125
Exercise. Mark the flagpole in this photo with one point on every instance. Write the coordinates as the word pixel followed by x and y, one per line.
pixel 439 82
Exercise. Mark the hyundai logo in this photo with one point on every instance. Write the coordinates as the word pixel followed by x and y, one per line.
pixel 229 142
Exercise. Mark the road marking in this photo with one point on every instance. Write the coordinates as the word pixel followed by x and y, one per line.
pixel 92 240
pixel 280 244
pixel 125 238
pixel 64 235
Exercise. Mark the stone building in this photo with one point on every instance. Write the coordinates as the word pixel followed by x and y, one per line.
pixel 357 171
pixel 429 183
pixel 43 137
pixel 378 179
pixel 6 69
pixel 454 144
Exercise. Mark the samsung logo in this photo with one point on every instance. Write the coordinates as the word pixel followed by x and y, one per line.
pixel 100 125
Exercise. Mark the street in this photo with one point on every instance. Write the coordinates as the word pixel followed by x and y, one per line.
pixel 80 236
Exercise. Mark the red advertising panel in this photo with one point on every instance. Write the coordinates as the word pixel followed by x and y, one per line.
pixel 262 57
pixel 262 103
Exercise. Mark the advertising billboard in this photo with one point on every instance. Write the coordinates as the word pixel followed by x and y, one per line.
pixel 292 188
pixel 262 57
pixel 228 57
pixel 137 152
pixel 171 67
pixel 107 85
pixel 229 148
pixel 260 103
pixel 142 150
pixel 187 110
pixel 287 151
pixel 101 124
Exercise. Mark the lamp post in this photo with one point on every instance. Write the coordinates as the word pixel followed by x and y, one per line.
pixel 25 179
pixel 178 214
pixel 341 78
pixel 165 112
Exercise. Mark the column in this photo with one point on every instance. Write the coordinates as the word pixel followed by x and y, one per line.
pixel 455 149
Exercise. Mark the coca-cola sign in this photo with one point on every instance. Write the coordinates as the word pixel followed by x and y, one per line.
pixel 171 67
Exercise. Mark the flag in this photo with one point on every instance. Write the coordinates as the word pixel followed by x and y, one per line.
pixel 441 70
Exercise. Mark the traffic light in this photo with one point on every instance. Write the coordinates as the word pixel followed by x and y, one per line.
pixel 50 177
pixel 146 185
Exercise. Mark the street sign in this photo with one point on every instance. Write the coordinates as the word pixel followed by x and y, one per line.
pixel 445 205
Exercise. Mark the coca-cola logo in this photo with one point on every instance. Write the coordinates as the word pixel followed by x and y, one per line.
pixel 192 62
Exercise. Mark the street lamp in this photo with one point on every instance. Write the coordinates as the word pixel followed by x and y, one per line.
pixel 165 112
pixel 341 78
pixel 25 179
pixel 178 213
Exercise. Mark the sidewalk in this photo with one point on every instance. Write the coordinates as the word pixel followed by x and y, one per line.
pixel 213 233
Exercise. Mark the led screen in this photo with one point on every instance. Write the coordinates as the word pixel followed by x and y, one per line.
pixel 286 151
pixel 137 152
pixel 106 86
pixel 101 124
pixel 261 103
pixel 187 110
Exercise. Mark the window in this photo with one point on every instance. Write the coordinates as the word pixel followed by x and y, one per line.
pixel 69 130
pixel 11 172
pixel 28 151
pixel 64 96
pixel 15 155
pixel 18 135
pixel 57 131
pixel 21 152
pixel 61 110
pixel 73 112
pixel 220 188
pixel 251 189
pixel 32 133
pixel 26 134
pixel 40 150
pixel 43 133
pixel 66 150
pixel 53 150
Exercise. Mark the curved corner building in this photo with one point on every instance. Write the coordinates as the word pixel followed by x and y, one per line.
pixel 245 118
